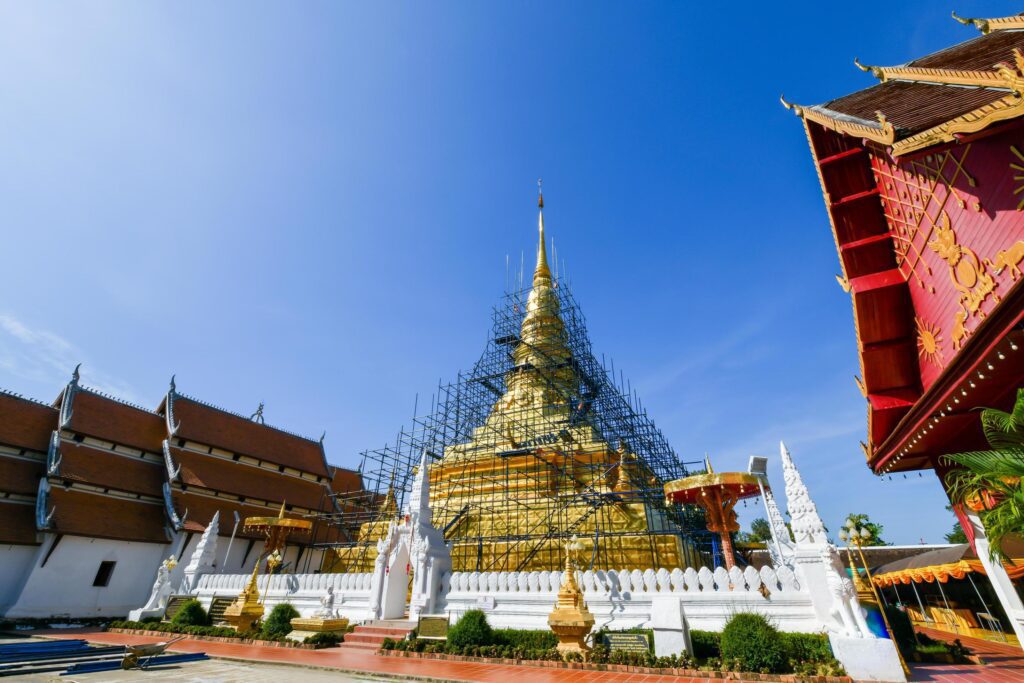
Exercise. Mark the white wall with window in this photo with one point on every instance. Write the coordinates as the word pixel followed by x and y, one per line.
pixel 87 577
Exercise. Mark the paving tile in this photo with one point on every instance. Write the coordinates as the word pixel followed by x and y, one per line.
pixel 1005 664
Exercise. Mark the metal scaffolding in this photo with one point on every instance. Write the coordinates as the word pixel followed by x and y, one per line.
pixel 492 514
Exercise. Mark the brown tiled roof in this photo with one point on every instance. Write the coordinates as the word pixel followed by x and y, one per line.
pixel 18 475
pixel 82 513
pixel 224 475
pixel 913 107
pixel 85 464
pixel 111 420
pixel 26 424
pixel 17 524
pixel 345 481
pixel 215 427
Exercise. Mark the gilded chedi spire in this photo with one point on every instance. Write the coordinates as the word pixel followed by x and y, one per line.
pixel 540 386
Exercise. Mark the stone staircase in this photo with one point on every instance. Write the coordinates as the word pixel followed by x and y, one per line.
pixel 369 636
pixel 217 607
pixel 174 604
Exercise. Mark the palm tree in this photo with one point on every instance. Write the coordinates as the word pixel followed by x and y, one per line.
pixel 990 481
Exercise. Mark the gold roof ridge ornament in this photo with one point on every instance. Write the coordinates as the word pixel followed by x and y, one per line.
pixel 986 26
pixel 882 132
pixel 1002 77
pixel 876 71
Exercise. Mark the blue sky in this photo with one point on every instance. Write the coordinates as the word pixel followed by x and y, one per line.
pixel 313 207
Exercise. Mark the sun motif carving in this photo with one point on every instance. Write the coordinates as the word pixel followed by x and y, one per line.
pixel 1018 176
pixel 929 342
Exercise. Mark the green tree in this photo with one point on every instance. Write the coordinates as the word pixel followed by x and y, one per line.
pixel 864 522
pixel 993 477
pixel 760 530
pixel 957 535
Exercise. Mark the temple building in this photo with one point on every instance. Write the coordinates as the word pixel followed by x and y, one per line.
pixel 96 492
pixel 922 175
pixel 536 445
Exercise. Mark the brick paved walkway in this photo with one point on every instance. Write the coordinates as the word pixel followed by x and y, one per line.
pixel 354 661
pixel 1003 664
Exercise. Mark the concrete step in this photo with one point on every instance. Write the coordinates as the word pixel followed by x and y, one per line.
pixel 370 638
pixel 365 647
pixel 380 631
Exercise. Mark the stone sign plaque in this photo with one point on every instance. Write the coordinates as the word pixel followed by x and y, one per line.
pixel 627 642
pixel 432 628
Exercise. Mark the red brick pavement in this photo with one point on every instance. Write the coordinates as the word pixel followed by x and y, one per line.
pixel 356 661
pixel 1004 664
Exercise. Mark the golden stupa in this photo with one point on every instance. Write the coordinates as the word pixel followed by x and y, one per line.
pixel 531 476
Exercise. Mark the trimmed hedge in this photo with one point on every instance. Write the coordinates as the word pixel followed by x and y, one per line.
pixel 750 643
pixel 527 640
pixel 279 623
pixel 706 644
pixel 321 640
pixel 191 613
pixel 471 629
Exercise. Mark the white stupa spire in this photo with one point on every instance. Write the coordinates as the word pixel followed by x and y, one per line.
pixel 804 518
pixel 203 556
pixel 418 504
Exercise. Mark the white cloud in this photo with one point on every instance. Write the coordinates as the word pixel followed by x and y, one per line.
pixel 43 357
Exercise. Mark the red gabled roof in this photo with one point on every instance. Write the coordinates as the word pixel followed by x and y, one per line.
pixel 220 474
pixel 916 106
pixel 215 427
pixel 98 467
pixel 25 423
pixel 81 513
pixel 345 480
pixel 17 524
pixel 106 418
pixel 19 475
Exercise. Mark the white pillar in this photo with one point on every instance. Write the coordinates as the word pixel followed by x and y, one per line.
pixel 997 576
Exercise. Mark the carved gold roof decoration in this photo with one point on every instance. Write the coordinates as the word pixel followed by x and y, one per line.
pixel 986 26
pixel 1004 77
pixel 880 131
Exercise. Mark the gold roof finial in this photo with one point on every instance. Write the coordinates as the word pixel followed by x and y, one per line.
pixel 707 461
pixel 280 515
pixel 873 70
pixel 980 24
pixel 795 108
pixel 542 271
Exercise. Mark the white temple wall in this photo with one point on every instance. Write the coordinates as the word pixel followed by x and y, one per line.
pixel 301 591
pixel 618 600
pixel 233 563
pixel 15 564
pixel 621 600
pixel 64 585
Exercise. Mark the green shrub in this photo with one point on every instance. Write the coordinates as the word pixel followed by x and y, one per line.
pixel 807 647
pixel 322 640
pixel 706 644
pixel 191 613
pixel 750 643
pixel 528 640
pixel 471 629
pixel 279 623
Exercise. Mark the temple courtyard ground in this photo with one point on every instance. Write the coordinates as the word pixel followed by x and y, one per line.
pixel 257 664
